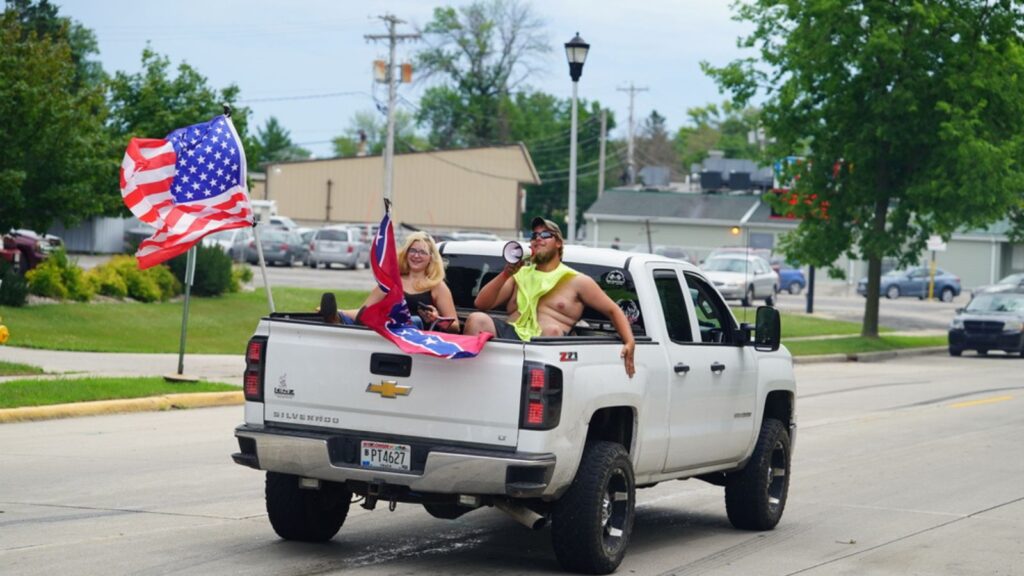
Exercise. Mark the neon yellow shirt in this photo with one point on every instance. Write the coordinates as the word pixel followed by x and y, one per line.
pixel 531 286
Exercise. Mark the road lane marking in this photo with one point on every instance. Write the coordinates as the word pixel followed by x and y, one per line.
pixel 981 401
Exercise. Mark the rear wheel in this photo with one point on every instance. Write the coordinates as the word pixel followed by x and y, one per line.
pixel 795 287
pixel 748 298
pixel 955 351
pixel 305 515
pixel 592 522
pixel 755 497
pixel 893 292
pixel 947 294
pixel 770 300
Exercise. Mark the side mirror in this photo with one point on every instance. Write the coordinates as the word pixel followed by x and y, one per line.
pixel 767 329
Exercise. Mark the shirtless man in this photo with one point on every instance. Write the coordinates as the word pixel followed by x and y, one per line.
pixel 551 294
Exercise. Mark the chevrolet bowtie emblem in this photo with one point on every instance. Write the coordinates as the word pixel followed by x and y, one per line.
pixel 389 389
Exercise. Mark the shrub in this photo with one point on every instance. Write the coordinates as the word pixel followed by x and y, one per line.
pixel 213 271
pixel 13 288
pixel 57 277
pixel 121 277
pixel 106 281
pixel 240 274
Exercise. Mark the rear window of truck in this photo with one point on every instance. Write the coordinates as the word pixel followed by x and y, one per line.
pixel 466 274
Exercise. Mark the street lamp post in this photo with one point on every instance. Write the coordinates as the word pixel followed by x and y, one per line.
pixel 576 52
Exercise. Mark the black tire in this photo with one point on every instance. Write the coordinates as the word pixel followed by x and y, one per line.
pixel 592 522
pixel 748 298
pixel 795 288
pixel 955 351
pixel 770 300
pixel 893 292
pixel 755 497
pixel 947 294
pixel 305 515
pixel 982 352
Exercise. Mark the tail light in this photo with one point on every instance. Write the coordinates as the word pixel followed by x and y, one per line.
pixel 255 354
pixel 252 243
pixel 349 248
pixel 312 246
pixel 284 246
pixel 542 396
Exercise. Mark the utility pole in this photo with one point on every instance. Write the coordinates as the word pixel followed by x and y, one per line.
pixel 600 163
pixel 391 22
pixel 632 129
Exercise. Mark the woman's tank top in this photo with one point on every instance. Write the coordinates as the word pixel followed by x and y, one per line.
pixel 414 300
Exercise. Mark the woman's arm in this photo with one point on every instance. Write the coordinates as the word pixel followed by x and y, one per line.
pixel 445 305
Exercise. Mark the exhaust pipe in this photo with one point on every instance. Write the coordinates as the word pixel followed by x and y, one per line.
pixel 521 514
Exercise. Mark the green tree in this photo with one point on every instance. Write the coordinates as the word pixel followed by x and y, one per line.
pixel 726 128
pixel 54 165
pixel 273 143
pixel 42 19
pixel 913 112
pixel 653 147
pixel 542 122
pixel 151 103
pixel 375 127
pixel 479 54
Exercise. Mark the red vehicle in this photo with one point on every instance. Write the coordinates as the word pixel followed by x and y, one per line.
pixel 31 247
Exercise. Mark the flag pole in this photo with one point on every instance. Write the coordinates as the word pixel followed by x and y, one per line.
pixel 263 268
pixel 190 272
pixel 256 237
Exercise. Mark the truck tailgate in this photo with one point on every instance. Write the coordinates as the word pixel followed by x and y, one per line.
pixel 321 376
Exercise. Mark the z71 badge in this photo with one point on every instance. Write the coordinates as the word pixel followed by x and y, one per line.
pixel 567 357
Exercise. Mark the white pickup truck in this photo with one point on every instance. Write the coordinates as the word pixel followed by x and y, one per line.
pixel 550 429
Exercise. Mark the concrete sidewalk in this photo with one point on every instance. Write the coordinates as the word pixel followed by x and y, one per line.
pixel 225 368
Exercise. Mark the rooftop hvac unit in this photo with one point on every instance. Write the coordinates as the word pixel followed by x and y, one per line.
pixel 739 181
pixel 710 181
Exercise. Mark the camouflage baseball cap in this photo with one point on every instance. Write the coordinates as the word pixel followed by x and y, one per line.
pixel 545 223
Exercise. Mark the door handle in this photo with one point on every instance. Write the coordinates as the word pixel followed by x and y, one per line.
pixel 717 367
pixel 682 368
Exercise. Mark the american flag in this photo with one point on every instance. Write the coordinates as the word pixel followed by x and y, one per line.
pixel 187 185
pixel 391 318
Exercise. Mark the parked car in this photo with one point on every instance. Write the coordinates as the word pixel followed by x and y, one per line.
pixel 791 278
pixel 337 245
pixel 990 321
pixel 742 277
pixel 282 222
pixel 366 231
pixel 666 251
pixel 914 282
pixel 33 247
pixel 225 239
pixel 279 247
pixel 1011 282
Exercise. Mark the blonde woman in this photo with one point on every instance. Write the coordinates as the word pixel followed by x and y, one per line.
pixel 428 297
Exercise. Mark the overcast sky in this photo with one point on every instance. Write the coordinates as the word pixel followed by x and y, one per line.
pixel 300 48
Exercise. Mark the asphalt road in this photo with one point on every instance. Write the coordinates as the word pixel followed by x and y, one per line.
pixel 912 466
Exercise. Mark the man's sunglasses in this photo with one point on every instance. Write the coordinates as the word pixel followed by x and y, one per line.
pixel 544 235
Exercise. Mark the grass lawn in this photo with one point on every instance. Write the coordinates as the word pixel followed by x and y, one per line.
pixel 857 344
pixel 18 393
pixel 14 369
pixel 797 324
pixel 215 325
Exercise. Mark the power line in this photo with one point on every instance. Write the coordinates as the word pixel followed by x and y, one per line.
pixel 303 97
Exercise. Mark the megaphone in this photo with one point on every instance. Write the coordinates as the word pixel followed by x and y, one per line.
pixel 513 252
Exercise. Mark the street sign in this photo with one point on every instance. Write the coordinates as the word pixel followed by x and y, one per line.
pixel 935 244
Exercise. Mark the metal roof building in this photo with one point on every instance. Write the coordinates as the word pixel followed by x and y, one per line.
pixel 471 189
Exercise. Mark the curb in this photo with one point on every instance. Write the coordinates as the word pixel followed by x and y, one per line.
pixel 147 404
pixel 870 356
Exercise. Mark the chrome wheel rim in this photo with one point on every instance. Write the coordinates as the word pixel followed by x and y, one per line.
pixel 615 505
pixel 776 476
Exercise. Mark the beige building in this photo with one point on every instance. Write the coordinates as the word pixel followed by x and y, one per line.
pixel 473 189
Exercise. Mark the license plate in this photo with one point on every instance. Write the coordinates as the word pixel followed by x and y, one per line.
pixel 384 455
